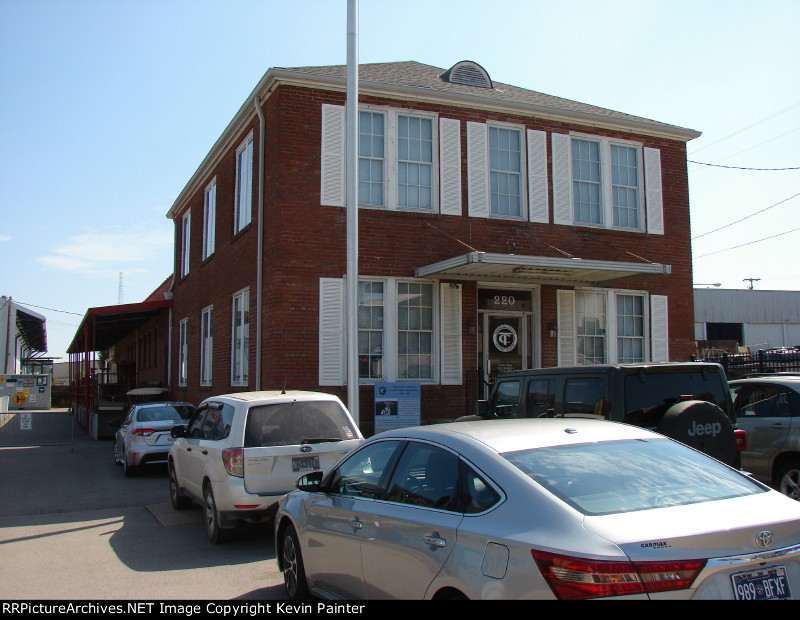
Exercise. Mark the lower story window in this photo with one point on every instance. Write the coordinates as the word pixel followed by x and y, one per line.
pixel 414 330
pixel 590 310
pixel 206 345
pixel 630 328
pixel 182 352
pixel 240 338
pixel 370 330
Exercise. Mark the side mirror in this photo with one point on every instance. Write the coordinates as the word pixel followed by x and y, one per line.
pixel 310 483
pixel 178 431
pixel 483 408
pixel 115 423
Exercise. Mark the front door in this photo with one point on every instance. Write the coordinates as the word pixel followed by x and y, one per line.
pixel 505 344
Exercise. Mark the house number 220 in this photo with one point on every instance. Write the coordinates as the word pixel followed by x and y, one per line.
pixel 504 300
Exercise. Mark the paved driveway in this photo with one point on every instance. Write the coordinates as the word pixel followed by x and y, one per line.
pixel 73 527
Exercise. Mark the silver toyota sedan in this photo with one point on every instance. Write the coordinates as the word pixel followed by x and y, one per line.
pixel 535 508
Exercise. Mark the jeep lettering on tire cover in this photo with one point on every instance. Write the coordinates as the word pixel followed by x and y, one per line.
pixel 703 426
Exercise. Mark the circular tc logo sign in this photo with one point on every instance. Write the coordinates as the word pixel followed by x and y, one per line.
pixel 504 338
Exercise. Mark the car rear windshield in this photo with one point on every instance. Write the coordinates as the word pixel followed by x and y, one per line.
pixel 649 395
pixel 623 476
pixel 298 422
pixel 167 413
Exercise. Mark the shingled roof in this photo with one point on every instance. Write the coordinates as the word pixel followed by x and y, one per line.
pixel 416 75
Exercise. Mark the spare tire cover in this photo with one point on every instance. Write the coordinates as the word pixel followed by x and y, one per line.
pixel 703 426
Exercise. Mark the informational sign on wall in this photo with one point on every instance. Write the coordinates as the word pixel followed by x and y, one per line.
pixel 397 405
pixel 26 391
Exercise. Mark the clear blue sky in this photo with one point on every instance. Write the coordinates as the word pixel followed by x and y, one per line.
pixel 109 106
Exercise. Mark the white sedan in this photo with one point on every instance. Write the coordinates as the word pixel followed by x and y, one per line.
pixel 536 508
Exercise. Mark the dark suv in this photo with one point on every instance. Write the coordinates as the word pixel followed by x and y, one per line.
pixel 690 402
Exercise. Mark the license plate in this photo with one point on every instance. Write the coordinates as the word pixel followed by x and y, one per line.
pixel 766 584
pixel 300 463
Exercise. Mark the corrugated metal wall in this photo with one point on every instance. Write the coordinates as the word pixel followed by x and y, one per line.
pixel 745 306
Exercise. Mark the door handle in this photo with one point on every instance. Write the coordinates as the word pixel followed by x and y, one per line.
pixel 356 524
pixel 779 426
pixel 205 452
pixel 434 541
pixel 188 449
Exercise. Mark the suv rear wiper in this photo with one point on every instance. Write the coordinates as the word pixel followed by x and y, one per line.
pixel 319 440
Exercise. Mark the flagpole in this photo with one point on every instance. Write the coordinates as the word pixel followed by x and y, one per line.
pixel 351 174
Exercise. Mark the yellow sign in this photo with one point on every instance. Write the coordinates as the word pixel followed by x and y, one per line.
pixel 19 399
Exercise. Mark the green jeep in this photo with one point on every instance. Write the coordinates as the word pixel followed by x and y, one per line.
pixel 689 402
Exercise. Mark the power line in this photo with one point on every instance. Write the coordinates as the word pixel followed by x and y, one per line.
pixel 739 167
pixel 771 116
pixel 749 243
pixel 747 217
pixel 44 308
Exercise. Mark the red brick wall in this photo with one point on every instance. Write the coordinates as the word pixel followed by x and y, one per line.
pixel 304 241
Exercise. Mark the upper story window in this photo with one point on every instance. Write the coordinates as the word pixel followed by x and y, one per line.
pixel 600 182
pixel 371 155
pixel 505 171
pixel 586 181
pixel 398 166
pixel 625 194
pixel 243 201
pixel 395 159
pixel 209 219
pixel 186 230
pixel 414 162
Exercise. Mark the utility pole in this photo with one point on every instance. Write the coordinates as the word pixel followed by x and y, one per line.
pixel 751 280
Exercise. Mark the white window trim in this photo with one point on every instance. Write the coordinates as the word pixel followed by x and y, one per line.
pixel 391 332
pixel 332 185
pixel 244 353
pixel 332 324
pixel 239 223
pixel 186 237
pixel 183 351
pixel 651 217
pixel 479 172
pixel 209 219
pixel 523 170
pixel 391 162
pixel 606 197
pixel 568 332
pixel 206 353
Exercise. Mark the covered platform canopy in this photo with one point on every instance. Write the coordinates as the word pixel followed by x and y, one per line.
pixel 103 327
pixel 540 269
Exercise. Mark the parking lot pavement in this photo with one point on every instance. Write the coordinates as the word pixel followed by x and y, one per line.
pixel 73 527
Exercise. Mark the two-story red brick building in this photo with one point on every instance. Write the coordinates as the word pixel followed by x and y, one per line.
pixel 499 228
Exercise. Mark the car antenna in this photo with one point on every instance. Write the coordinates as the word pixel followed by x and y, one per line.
pixel 283 391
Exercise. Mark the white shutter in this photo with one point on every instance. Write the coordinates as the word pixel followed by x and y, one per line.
pixel 538 195
pixel 450 166
pixel 478 169
pixel 331 332
pixel 562 178
pixel 566 328
pixel 659 328
pixel 332 183
pixel 450 313
pixel 653 195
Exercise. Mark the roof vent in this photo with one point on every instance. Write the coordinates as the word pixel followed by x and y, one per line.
pixel 468 73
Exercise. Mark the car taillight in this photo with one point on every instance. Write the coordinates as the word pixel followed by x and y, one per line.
pixel 575 578
pixel 143 432
pixel 741 440
pixel 234 461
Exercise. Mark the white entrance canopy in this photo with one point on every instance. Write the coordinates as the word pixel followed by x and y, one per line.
pixel 539 270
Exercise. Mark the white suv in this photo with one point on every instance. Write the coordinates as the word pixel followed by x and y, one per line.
pixel 240 453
